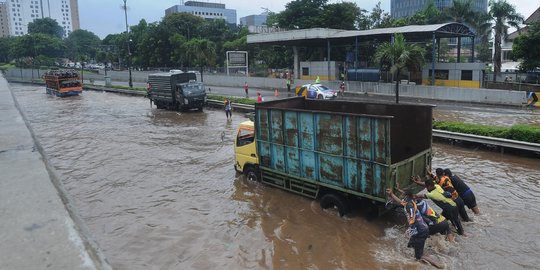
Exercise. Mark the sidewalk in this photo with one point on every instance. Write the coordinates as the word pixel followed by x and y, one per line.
pixel 36 229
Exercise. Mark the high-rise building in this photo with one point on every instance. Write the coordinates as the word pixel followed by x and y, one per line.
pixel 4 20
pixel 205 10
pixel 254 20
pixel 22 12
pixel 406 8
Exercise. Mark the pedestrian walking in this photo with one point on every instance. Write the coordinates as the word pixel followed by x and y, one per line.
pixel 246 89
pixel 259 97
pixel 288 85
pixel 342 88
pixel 228 108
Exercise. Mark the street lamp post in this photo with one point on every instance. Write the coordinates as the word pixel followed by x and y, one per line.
pixel 129 51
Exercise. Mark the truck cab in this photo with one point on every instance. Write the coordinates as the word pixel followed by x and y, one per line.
pixel 176 91
pixel 245 149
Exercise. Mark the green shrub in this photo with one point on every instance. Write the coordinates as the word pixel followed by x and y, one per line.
pixel 526 133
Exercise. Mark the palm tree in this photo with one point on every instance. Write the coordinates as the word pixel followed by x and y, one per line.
pixel 504 15
pixel 400 57
pixel 461 11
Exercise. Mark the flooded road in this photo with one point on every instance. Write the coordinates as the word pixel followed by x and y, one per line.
pixel 157 190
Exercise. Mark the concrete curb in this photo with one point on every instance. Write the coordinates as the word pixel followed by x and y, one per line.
pixel 91 247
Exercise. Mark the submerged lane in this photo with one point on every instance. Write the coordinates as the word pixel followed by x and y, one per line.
pixel 157 190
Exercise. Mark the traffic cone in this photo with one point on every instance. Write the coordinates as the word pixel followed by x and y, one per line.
pixel 276 92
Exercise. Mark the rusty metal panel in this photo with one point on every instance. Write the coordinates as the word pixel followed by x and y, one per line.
pixel 307 132
pixel 329 133
pixel 263 128
pixel 291 129
pixel 276 122
pixel 351 174
pixel 350 137
pixel 381 140
pixel 278 156
pixel 331 169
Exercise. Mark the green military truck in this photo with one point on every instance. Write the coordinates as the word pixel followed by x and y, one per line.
pixel 176 91
pixel 335 151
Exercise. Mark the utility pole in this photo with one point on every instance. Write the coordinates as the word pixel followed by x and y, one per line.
pixel 129 51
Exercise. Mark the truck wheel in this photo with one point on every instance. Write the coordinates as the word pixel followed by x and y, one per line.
pixel 201 109
pixel 329 200
pixel 252 174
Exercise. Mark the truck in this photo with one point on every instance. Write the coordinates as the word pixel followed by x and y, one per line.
pixel 338 152
pixel 176 90
pixel 63 83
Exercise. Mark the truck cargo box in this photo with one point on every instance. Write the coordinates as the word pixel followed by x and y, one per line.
pixel 357 148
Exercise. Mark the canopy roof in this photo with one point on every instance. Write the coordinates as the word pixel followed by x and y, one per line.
pixel 320 36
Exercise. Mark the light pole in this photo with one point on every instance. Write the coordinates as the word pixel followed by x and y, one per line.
pixel 129 51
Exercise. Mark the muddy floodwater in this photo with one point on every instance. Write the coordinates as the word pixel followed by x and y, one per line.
pixel 157 190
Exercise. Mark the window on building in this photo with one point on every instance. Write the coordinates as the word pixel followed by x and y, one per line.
pixel 305 71
pixel 466 75
pixel 440 74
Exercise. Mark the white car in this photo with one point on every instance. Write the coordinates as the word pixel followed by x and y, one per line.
pixel 317 91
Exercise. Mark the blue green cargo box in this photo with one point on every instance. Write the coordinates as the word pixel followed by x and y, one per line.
pixel 357 148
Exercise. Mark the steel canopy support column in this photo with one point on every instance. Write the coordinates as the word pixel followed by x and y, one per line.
pixel 355 59
pixel 328 56
pixel 472 50
pixel 433 59
pixel 458 50
pixel 295 52
pixel 438 49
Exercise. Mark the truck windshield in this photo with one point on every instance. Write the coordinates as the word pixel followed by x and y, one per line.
pixel 245 137
pixel 193 89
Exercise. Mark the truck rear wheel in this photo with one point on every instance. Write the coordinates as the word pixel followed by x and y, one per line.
pixel 252 174
pixel 331 200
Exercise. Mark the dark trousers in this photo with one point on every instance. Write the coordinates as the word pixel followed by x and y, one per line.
pixel 461 209
pixel 451 213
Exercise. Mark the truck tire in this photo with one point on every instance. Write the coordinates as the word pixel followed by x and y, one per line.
pixel 252 174
pixel 329 200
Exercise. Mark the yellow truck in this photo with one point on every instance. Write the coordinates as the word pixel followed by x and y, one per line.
pixel 335 151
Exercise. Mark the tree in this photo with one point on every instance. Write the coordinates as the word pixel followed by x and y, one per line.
pixel 46 26
pixel 399 57
pixel 340 15
pixel 482 24
pixel 379 18
pixel 37 46
pixel 302 14
pixel 5 45
pixel 504 15
pixel 81 43
pixel 200 52
pixel 461 11
pixel 527 48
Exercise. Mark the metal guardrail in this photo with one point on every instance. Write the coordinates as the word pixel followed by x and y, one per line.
pixel 236 106
pixel 505 143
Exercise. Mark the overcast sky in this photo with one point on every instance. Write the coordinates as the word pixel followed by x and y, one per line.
pixel 105 17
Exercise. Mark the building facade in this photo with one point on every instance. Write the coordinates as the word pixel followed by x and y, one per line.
pixel 22 12
pixel 407 8
pixel 254 20
pixel 4 20
pixel 205 10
